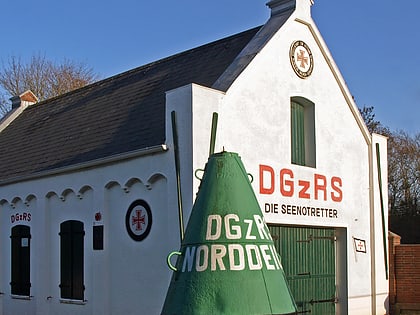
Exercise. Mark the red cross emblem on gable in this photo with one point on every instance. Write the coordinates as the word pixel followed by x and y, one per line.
pixel 302 59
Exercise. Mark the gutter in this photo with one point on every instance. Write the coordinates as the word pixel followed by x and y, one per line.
pixel 372 232
pixel 89 164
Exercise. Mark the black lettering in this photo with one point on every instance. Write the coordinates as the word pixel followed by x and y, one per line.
pixel 283 208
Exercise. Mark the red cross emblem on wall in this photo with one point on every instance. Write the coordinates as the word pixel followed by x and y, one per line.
pixel 137 220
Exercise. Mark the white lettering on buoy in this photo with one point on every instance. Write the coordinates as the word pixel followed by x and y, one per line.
pixel 218 229
pixel 217 254
pixel 234 231
pixel 267 257
pixel 188 259
pixel 229 228
pixel 276 257
pixel 248 230
pixel 232 256
pixel 240 265
pixel 201 264
pixel 257 265
pixel 262 228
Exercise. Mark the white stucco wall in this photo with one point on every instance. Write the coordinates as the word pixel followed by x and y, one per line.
pixel 254 120
pixel 123 277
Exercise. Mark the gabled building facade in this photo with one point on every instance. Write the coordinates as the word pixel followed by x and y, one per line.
pixel 88 181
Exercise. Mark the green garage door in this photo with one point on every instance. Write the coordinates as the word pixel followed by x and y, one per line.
pixel 308 258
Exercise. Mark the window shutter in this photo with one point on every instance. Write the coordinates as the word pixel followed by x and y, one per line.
pixel 72 260
pixel 298 133
pixel 65 260
pixel 20 277
pixel 78 260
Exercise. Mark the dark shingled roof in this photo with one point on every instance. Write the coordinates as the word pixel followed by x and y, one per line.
pixel 120 114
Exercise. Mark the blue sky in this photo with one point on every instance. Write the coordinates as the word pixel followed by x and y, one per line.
pixel 375 43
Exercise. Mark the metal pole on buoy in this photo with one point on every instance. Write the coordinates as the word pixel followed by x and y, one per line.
pixel 178 175
pixel 227 263
pixel 213 133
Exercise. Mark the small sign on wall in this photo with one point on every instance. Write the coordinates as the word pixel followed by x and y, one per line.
pixel 24 242
pixel 98 237
pixel 359 245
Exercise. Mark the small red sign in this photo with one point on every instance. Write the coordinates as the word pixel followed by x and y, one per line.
pixel 360 245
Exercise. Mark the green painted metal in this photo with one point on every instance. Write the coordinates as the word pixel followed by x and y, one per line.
pixel 308 258
pixel 298 133
pixel 228 263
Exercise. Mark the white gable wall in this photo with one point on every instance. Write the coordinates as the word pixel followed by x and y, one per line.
pixel 255 122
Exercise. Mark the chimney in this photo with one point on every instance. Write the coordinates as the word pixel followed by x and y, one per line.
pixel 280 6
pixel 25 99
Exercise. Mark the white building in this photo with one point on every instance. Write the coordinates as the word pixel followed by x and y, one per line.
pixel 88 187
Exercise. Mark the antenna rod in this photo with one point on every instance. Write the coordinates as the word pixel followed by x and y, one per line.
pixel 178 177
pixel 213 133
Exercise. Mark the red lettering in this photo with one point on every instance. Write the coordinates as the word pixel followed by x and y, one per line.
pixel 337 193
pixel 304 184
pixel 320 184
pixel 265 190
pixel 284 184
pixel 319 187
pixel 25 216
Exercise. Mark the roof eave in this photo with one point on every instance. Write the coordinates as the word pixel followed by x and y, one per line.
pixel 88 164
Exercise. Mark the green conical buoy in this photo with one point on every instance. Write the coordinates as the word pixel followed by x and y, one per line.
pixel 227 263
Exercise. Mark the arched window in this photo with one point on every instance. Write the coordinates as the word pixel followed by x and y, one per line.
pixel 21 260
pixel 72 260
pixel 302 121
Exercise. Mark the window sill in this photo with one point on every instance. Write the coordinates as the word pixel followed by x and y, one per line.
pixel 21 297
pixel 76 302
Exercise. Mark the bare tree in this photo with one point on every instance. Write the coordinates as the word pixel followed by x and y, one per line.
pixel 43 77
pixel 373 125
pixel 3 105
pixel 404 173
pixel 403 166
